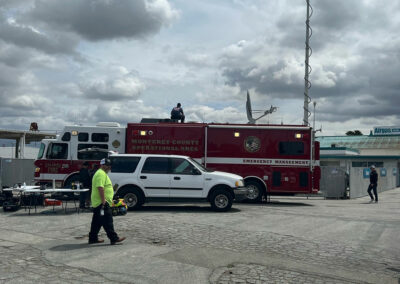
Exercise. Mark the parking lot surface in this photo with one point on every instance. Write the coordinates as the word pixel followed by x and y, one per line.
pixel 290 240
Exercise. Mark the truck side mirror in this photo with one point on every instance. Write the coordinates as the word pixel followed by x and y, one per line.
pixel 196 172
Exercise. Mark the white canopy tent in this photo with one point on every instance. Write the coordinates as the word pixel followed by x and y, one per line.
pixel 24 137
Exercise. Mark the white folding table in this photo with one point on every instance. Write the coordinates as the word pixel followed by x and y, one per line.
pixel 32 192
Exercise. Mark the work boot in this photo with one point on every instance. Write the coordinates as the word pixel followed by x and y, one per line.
pixel 99 241
pixel 118 241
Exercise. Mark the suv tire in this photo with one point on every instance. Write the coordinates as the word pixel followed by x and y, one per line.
pixel 221 200
pixel 133 198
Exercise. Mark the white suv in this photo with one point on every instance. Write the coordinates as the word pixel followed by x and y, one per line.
pixel 140 178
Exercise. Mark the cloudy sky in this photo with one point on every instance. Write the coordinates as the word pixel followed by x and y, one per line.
pixel 85 61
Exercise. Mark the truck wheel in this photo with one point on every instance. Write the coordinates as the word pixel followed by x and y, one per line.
pixel 221 200
pixel 133 198
pixel 255 191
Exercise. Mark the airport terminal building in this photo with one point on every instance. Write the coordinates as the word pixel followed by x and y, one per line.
pixel 345 162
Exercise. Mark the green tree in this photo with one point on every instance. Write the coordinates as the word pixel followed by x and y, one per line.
pixel 354 133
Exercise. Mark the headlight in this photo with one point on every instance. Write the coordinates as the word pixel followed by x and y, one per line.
pixel 239 183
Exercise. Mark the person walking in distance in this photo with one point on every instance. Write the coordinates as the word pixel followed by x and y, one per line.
pixel 373 183
pixel 102 196
pixel 177 113
pixel 92 171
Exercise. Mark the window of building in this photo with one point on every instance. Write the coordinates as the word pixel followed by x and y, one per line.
pixel 181 166
pixel 66 136
pixel 99 137
pixel 124 164
pixel 330 163
pixel 155 165
pixel 359 164
pixel 57 151
pixel 97 151
pixel 83 137
pixel 291 148
pixel 376 164
pixel 366 164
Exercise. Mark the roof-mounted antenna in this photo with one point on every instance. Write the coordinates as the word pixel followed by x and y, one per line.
pixel 250 112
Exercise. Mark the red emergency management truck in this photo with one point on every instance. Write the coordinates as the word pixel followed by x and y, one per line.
pixel 272 159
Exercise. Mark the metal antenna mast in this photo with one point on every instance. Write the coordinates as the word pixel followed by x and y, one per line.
pixel 307 83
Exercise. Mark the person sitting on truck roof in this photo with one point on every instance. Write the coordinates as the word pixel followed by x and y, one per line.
pixel 177 113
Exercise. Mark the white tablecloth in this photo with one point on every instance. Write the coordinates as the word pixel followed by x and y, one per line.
pixel 36 189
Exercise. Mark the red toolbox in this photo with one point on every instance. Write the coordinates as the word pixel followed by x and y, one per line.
pixel 52 202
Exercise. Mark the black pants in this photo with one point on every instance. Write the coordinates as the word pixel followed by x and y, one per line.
pixel 373 187
pixel 179 117
pixel 83 196
pixel 105 221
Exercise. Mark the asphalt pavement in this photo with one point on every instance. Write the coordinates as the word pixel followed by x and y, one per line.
pixel 289 240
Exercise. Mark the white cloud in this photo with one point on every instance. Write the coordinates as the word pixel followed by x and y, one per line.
pixel 291 73
pixel 124 88
pixel 103 20
pixel 29 101
pixel 209 114
pixel 219 93
pixel 162 9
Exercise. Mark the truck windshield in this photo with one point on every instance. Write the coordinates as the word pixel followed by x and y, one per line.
pixel 41 151
pixel 57 151
pixel 200 165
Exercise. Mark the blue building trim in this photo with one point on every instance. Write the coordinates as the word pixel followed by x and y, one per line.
pixel 369 157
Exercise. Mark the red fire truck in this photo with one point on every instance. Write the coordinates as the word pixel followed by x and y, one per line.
pixel 272 159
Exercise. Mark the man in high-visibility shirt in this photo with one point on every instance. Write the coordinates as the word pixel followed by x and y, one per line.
pixel 102 197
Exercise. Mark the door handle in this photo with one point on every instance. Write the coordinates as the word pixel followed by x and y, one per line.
pixel 143 177
pixel 177 178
